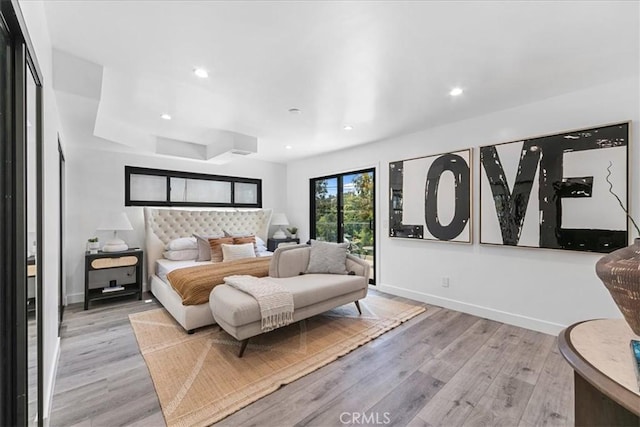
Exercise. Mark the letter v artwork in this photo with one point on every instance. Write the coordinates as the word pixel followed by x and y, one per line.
pixel 553 191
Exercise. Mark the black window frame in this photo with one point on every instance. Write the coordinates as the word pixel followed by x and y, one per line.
pixel 168 174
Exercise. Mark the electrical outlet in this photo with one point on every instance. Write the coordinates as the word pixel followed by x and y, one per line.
pixel 445 282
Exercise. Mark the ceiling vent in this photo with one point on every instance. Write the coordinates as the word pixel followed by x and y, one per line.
pixel 240 152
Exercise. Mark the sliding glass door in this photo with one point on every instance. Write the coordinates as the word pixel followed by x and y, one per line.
pixel 21 186
pixel 343 210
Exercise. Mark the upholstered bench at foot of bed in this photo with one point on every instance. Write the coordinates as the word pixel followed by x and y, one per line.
pixel 239 314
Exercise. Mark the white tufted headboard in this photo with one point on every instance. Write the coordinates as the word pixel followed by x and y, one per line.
pixel 165 224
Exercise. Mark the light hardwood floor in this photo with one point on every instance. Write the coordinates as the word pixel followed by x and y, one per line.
pixel 440 368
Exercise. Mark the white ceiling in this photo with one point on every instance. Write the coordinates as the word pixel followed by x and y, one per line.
pixel 384 68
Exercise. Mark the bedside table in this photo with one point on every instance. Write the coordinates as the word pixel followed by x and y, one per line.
pixel 106 268
pixel 272 244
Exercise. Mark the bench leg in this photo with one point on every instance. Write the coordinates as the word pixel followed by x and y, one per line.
pixel 358 307
pixel 243 346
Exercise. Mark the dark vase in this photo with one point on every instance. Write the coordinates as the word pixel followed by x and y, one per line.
pixel 620 273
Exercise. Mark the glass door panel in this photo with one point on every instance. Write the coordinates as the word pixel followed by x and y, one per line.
pixel 326 210
pixel 358 214
pixel 343 210
pixel 33 263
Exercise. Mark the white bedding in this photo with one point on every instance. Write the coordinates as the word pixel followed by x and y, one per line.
pixel 165 266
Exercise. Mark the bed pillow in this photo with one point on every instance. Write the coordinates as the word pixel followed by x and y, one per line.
pixel 181 255
pixel 216 249
pixel 326 257
pixel 261 246
pixel 246 239
pixel 182 243
pixel 234 252
pixel 204 249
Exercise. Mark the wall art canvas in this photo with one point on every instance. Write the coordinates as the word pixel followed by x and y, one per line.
pixel 552 191
pixel 430 197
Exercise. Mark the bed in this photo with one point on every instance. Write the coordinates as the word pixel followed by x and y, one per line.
pixel 163 225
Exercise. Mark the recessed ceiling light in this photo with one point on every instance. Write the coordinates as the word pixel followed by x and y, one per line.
pixel 165 116
pixel 456 91
pixel 288 147
pixel 348 127
pixel 201 72
pixel 294 111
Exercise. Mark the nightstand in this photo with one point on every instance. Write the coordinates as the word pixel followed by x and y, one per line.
pixel 112 274
pixel 272 244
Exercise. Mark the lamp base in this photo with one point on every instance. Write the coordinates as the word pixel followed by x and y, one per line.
pixel 279 234
pixel 115 245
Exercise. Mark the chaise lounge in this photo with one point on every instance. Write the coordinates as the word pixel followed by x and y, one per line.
pixel 239 313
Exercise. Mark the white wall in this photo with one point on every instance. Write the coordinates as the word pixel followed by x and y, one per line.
pixel 95 186
pixel 36 21
pixel 540 289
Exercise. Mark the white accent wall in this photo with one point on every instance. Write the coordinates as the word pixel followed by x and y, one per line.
pixel 540 289
pixel 95 188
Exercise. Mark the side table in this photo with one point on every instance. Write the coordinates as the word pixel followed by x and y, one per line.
pixel 272 244
pixel 606 387
pixel 110 261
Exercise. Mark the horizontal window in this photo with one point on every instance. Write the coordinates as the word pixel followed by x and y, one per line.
pixel 157 187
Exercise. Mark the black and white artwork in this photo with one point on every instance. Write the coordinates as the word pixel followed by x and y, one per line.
pixel 552 191
pixel 430 197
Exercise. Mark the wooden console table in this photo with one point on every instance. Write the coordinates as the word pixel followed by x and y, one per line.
pixel 606 387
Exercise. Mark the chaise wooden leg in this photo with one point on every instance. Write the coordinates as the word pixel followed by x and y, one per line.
pixel 190 331
pixel 358 306
pixel 243 346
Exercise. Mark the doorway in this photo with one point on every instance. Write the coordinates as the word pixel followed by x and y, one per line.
pixel 21 213
pixel 343 209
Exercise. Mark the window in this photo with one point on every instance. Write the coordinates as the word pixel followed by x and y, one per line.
pixel 156 187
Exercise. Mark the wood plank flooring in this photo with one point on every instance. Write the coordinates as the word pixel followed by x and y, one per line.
pixel 442 368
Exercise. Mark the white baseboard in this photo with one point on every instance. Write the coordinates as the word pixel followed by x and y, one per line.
pixel 48 395
pixel 477 310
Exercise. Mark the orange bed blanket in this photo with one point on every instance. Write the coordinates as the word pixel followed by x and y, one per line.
pixel 194 284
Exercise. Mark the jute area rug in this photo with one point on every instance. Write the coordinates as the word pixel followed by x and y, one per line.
pixel 200 379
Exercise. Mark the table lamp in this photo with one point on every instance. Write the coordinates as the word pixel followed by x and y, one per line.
pixel 280 220
pixel 115 223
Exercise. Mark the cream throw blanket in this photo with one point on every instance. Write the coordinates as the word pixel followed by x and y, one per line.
pixel 275 301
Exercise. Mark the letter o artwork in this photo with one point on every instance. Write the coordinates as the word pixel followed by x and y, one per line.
pixel 462 211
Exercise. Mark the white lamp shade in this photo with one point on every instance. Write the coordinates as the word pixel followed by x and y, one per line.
pixel 116 222
pixel 279 219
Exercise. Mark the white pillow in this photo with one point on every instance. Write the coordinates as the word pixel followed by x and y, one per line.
pixel 233 252
pixel 182 243
pixel 183 255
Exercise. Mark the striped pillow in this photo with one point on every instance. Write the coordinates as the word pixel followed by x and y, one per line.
pixel 246 239
pixel 216 249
